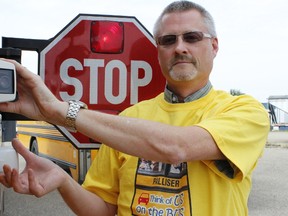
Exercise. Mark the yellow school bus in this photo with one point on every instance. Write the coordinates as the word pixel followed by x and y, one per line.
pixel 47 141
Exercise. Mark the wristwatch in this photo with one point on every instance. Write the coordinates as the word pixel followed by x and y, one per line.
pixel 74 107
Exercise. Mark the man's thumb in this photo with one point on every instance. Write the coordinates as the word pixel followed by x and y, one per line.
pixel 19 148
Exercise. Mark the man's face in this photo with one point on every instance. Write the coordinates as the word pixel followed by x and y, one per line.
pixel 182 61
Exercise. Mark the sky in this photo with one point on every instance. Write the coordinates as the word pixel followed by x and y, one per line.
pixel 252 34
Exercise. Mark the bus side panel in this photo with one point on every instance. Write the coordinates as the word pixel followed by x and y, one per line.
pixel 24 139
pixel 50 143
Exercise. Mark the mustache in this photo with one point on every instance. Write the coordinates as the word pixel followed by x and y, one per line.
pixel 179 58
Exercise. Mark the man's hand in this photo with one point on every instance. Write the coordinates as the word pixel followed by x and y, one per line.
pixel 39 177
pixel 35 100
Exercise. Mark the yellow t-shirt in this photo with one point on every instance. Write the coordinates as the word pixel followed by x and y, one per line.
pixel 239 126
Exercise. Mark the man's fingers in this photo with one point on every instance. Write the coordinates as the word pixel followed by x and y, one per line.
pixel 7 171
pixel 18 66
pixel 16 183
pixel 3 180
pixel 34 187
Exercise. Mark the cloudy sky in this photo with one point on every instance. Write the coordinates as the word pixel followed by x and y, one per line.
pixel 253 34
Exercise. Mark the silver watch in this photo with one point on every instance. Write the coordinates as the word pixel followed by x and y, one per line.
pixel 74 107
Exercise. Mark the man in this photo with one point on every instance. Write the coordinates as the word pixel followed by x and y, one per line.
pixel 189 151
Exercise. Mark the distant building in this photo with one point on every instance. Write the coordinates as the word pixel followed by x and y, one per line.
pixel 278 108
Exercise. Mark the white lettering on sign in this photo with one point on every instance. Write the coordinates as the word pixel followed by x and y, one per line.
pixel 122 85
pixel 135 81
pixel 93 64
pixel 111 69
pixel 71 80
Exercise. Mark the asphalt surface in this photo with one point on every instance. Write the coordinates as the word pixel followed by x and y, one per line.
pixel 23 205
pixel 269 195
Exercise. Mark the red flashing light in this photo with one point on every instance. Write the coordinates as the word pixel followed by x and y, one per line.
pixel 107 37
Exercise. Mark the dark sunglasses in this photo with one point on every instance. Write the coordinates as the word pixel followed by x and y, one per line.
pixel 189 37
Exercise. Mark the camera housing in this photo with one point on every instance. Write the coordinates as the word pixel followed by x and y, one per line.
pixel 7 93
pixel 7 81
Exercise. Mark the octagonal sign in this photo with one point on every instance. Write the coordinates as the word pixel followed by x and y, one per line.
pixel 108 62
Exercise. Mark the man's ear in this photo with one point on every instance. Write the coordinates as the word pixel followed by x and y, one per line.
pixel 215 45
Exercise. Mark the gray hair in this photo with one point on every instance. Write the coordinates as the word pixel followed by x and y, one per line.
pixel 181 6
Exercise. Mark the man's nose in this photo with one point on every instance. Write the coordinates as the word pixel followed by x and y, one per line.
pixel 181 45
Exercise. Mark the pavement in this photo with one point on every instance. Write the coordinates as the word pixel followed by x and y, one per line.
pixel 269 195
pixel 277 139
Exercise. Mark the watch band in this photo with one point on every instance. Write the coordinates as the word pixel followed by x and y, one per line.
pixel 74 108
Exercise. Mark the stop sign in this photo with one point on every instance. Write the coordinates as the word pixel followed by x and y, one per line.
pixel 108 62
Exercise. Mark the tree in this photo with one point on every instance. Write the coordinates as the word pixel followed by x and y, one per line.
pixel 235 92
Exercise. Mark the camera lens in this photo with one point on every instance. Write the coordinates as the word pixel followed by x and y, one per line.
pixel 6 81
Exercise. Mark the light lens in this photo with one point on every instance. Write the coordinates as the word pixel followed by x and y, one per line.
pixel 107 37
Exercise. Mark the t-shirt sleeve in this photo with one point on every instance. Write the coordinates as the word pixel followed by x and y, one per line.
pixel 102 176
pixel 240 131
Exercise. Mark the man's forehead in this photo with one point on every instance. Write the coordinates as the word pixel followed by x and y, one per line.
pixel 189 20
pixel 192 14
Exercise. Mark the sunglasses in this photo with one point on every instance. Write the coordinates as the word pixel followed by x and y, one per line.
pixel 189 37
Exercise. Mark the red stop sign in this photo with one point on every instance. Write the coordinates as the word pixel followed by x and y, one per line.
pixel 108 62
